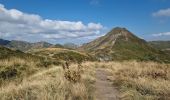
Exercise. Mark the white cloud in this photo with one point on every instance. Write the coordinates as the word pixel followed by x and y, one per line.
pixel 162 34
pixel 93 26
pixel 16 23
pixel 162 13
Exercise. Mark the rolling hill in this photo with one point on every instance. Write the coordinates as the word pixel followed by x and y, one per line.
pixel 59 54
pixel 162 45
pixel 121 44
pixel 10 54
pixel 7 53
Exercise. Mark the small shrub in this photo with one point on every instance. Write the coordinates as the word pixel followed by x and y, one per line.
pixel 72 76
pixel 9 72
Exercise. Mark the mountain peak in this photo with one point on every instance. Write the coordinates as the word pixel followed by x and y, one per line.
pixel 110 39
pixel 120 32
pixel 119 28
pixel 119 43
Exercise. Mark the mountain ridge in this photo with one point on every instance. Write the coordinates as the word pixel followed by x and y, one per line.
pixel 121 44
pixel 27 46
pixel 4 42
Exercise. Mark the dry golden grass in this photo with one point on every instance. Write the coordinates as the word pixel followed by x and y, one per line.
pixel 48 84
pixel 16 69
pixel 135 81
pixel 139 80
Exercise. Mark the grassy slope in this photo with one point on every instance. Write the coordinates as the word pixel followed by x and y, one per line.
pixel 138 50
pixel 6 53
pixel 25 76
pixel 50 84
pixel 134 49
pixel 17 65
pixel 63 54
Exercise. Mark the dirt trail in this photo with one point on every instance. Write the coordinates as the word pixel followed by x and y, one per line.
pixel 104 88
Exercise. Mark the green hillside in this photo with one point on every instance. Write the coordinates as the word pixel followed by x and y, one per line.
pixel 121 44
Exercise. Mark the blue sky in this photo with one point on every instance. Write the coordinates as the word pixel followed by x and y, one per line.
pixel 79 21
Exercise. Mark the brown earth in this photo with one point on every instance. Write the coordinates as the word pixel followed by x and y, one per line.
pixel 104 88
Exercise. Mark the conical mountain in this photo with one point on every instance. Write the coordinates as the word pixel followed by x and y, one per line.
pixel 121 44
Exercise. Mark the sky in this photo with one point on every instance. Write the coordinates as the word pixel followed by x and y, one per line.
pixel 80 21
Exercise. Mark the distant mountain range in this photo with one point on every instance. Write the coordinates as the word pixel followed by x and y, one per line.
pixel 27 46
pixel 121 44
pixel 4 42
pixel 23 45
pixel 163 45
